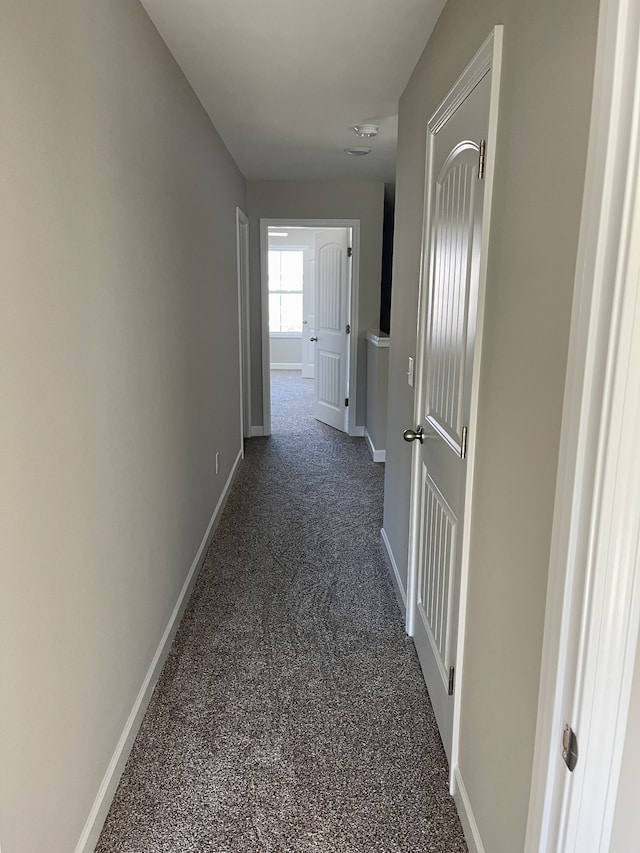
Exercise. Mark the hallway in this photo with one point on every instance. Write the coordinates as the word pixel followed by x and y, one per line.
pixel 291 714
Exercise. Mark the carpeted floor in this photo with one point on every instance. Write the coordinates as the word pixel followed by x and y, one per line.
pixel 291 715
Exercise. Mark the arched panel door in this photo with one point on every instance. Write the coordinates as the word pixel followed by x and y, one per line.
pixel 331 317
pixel 447 332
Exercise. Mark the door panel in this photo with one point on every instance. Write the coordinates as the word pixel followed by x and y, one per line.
pixel 330 262
pixel 447 336
pixel 329 380
pixel 331 317
pixel 437 563
pixel 454 213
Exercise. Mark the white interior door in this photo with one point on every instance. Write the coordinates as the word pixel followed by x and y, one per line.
pixel 447 341
pixel 332 317
pixel 309 318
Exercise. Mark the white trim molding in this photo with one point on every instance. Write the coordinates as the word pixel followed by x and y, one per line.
pixel 401 594
pixel 465 812
pixel 285 365
pixel 488 58
pixel 244 305
pixel 376 455
pixel 97 815
pixel 593 598
pixel 379 339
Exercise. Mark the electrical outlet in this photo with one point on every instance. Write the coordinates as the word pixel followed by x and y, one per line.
pixel 217 472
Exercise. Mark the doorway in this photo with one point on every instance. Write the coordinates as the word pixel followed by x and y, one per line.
pixel 309 278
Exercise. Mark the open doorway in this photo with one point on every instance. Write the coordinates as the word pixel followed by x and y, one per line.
pixel 309 298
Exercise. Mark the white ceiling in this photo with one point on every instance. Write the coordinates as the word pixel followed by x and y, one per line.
pixel 284 81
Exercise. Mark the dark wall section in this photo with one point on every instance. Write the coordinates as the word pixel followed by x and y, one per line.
pixel 387 257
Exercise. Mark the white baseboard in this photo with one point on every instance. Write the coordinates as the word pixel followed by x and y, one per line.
pixel 257 431
pixel 376 455
pixel 357 432
pixel 284 365
pixel 465 812
pixel 401 594
pixel 102 802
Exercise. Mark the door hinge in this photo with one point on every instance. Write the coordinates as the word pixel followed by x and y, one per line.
pixel 482 159
pixel 452 675
pixel 346 402
pixel 349 251
pixel 348 329
pixel 569 747
pixel 463 443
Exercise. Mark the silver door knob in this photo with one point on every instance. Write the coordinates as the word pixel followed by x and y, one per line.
pixel 413 434
pixel 313 339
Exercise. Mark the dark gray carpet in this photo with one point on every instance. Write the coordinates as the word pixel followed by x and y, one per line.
pixel 291 715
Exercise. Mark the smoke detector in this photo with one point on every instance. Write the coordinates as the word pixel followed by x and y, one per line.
pixel 366 131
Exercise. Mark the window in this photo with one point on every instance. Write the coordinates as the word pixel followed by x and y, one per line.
pixel 285 290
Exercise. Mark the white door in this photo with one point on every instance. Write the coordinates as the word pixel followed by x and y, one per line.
pixel 309 319
pixel 332 317
pixel 447 339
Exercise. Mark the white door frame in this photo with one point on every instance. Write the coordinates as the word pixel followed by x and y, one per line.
pixel 488 57
pixel 593 601
pixel 353 284
pixel 242 262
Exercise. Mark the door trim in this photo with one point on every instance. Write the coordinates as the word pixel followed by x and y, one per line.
pixel 591 624
pixel 488 58
pixel 242 261
pixel 353 284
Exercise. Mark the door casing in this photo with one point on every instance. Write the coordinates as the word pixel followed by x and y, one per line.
pixel 354 225
pixel 592 624
pixel 242 249
pixel 309 321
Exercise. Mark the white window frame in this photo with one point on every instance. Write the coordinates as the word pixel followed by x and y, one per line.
pixel 285 248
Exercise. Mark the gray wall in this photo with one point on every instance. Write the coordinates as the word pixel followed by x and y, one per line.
pixel 285 350
pixel 626 823
pixel 377 389
pixel 544 113
pixel 118 271
pixel 319 200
